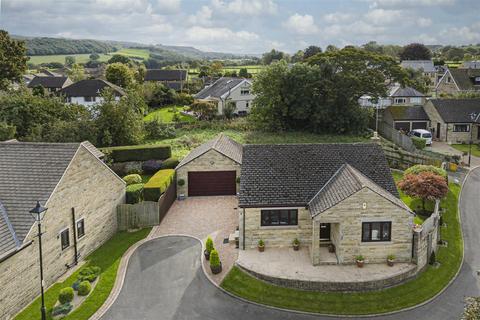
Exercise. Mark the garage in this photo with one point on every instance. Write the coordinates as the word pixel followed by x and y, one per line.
pixel 212 183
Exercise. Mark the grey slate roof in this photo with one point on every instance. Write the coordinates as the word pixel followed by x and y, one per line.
pixel 219 88
pixel 425 65
pixel 407 113
pixel 28 172
pixel 464 78
pixel 165 75
pixel 222 144
pixel 90 88
pixel 49 82
pixel 406 92
pixel 456 110
pixel 344 183
pixel 292 174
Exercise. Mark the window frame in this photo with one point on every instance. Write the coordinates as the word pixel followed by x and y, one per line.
pixel 382 224
pixel 67 230
pixel 278 212
pixel 244 91
pixel 83 228
pixel 461 124
pixel 400 100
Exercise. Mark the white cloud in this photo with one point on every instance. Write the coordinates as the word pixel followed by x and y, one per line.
pixel 245 7
pixel 410 3
pixel 198 34
pixel 424 22
pixel 461 35
pixel 337 17
pixel 301 24
pixel 202 17
pixel 383 17
pixel 167 6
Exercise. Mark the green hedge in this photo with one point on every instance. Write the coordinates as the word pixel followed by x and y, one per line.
pixel 134 193
pixel 170 163
pixel 132 179
pixel 139 153
pixel 420 143
pixel 157 184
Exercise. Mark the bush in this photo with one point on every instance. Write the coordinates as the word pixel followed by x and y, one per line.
pixel 65 295
pixel 151 166
pixel 214 259
pixel 84 288
pixel 134 193
pixel 426 168
pixel 132 179
pixel 209 245
pixel 419 142
pixel 140 152
pixel 89 274
pixel 157 184
pixel 181 182
pixel 170 163
pixel 75 285
pixel 62 309
pixel 183 99
pixel 155 129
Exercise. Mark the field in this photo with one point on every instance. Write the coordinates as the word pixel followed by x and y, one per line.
pixel 84 57
pixel 253 69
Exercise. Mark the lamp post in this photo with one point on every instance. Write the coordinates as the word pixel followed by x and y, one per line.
pixel 474 116
pixel 38 213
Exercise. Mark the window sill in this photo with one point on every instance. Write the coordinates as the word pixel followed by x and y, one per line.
pixel 374 243
pixel 278 227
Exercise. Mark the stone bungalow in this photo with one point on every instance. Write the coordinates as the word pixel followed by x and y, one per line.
pixel 406 118
pixel 459 80
pixel 453 119
pixel 81 194
pixel 340 194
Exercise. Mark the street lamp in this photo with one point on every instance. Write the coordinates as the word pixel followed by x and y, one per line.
pixel 38 213
pixel 474 116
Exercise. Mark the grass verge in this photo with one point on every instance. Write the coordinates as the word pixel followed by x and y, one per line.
pixel 466 148
pixel 108 258
pixel 412 293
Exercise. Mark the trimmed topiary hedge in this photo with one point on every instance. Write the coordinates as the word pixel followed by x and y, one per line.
pixel 139 153
pixel 65 295
pixel 134 193
pixel 157 184
pixel 170 163
pixel 132 179
pixel 89 274
pixel 419 143
pixel 416 169
pixel 84 288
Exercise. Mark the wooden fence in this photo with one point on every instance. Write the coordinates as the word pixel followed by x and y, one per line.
pixel 146 213
pixel 400 139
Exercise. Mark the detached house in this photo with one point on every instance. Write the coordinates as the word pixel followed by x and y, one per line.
pixel 50 83
pixel 229 90
pixel 406 118
pixel 459 80
pixel 397 96
pixel 425 66
pixel 173 79
pixel 81 194
pixel 89 92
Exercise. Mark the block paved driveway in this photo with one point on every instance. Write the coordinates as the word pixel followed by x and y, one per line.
pixel 164 280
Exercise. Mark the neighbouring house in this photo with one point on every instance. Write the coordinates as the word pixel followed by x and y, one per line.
pixel 89 92
pixel 213 168
pixel 426 66
pixel 459 80
pixel 322 194
pixel 454 120
pixel 397 96
pixel 229 90
pixel 81 194
pixel 51 84
pixel 173 79
pixel 471 64
pixel 406 118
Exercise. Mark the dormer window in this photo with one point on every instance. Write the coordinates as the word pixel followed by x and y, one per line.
pixel 245 91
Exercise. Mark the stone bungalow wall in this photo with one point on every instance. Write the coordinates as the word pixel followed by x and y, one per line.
pixel 211 160
pixel 94 191
pixel 426 240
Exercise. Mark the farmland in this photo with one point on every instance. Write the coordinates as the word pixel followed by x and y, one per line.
pixel 84 57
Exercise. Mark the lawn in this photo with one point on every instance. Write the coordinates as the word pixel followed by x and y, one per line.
pixel 166 114
pixel 465 148
pixel 424 287
pixel 107 257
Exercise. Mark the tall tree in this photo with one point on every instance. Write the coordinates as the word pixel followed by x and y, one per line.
pixel 13 59
pixel 311 51
pixel 76 72
pixel 70 60
pixel 273 55
pixel 119 74
pixel 415 51
pixel 119 58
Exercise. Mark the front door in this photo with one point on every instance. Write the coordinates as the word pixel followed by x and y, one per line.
pixel 438 130
pixel 324 231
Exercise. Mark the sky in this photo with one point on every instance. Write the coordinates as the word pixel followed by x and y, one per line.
pixel 248 26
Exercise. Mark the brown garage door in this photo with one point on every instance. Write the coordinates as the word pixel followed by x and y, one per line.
pixel 211 183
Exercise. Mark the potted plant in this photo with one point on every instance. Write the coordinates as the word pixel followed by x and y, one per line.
pixel 331 248
pixel 453 166
pixel 360 261
pixel 208 248
pixel 215 264
pixel 390 260
pixel 296 244
pixel 261 245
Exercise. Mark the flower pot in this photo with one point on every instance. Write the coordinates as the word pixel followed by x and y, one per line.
pixel 261 248
pixel 207 254
pixel 360 263
pixel 453 166
pixel 296 247
pixel 216 269
pixel 390 262
pixel 331 248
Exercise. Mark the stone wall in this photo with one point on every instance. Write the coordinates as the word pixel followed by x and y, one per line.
pixel 211 160
pixel 444 87
pixel 426 239
pixel 94 191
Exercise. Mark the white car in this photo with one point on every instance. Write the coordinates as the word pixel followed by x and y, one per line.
pixel 424 134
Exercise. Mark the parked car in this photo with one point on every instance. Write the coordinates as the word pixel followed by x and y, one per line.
pixel 422 133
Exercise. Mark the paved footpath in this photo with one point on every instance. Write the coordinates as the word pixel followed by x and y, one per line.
pixel 164 280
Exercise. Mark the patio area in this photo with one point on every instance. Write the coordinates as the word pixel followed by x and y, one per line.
pixel 286 267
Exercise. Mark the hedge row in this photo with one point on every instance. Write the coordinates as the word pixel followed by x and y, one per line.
pixel 157 184
pixel 134 193
pixel 139 153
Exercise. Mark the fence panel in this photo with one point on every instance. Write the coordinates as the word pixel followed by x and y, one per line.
pixel 138 215
pixel 167 199
pixel 396 136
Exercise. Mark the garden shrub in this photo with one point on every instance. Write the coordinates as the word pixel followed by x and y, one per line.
pixel 151 166
pixel 170 163
pixel 75 285
pixel 140 152
pixel 157 184
pixel 183 99
pixel 134 193
pixel 181 182
pixel 419 142
pixel 65 295
pixel 84 288
pixel 209 245
pixel 214 258
pixel 89 274
pixel 62 309
pixel 156 129
pixel 132 179
pixel 426 168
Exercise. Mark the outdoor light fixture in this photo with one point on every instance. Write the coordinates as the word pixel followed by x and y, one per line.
pixel 38 212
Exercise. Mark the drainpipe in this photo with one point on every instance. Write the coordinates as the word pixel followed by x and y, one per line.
pixel 74 237
pixel 243 242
